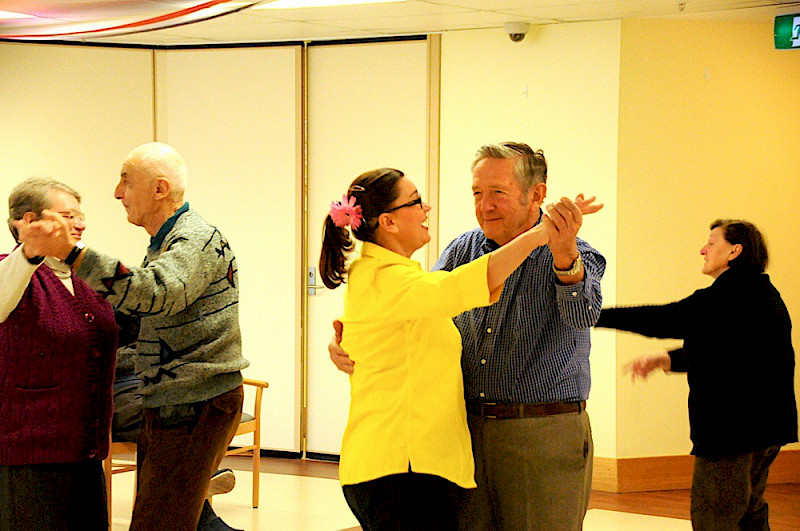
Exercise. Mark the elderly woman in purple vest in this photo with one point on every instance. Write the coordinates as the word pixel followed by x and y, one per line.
pixel 57 349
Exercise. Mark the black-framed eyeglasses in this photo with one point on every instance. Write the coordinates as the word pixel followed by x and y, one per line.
pixel 417 201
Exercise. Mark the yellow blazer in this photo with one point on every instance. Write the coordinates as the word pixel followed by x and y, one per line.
pixel 407 395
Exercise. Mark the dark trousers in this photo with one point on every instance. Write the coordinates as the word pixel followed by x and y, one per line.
pixel 176 456
pixel 53 497
pixel 728 492
pixel 409 501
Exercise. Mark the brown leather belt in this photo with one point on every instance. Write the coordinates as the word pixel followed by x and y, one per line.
pixel 492 410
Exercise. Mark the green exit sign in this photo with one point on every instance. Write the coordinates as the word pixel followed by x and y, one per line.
pixel 787 31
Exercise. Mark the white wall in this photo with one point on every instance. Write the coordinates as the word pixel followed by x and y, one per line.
pixel 73 113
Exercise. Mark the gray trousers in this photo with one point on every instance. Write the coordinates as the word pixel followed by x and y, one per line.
pixel 532 474
pixel 728 492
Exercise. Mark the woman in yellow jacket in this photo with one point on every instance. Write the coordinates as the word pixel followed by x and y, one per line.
pixel 406 453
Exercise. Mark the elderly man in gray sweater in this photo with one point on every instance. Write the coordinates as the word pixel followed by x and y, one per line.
pixel 188 352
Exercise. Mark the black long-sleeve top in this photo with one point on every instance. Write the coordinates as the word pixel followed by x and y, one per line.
pixel 738 356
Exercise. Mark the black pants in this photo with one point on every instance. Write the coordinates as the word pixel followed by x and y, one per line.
pixel 728 492
pixel 405 502
pixel 53 497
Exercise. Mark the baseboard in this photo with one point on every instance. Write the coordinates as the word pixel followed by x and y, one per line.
pixel 640 474
pixel 316 456
pixel 281 454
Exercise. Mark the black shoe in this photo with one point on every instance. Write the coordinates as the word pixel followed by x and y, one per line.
pixel 209 521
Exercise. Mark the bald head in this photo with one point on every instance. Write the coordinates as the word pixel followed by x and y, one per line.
pixel 159 160
pixel 151 185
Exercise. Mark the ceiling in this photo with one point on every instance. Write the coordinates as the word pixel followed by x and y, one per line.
pixel 168 23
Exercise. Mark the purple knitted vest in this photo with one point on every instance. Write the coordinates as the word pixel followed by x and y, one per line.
pixel 57 355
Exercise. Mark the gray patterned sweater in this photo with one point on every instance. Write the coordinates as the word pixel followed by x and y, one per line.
pixel 186 294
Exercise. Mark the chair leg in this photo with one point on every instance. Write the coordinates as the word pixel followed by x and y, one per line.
pixel 256 469
pixel 107 474
pixel 135 484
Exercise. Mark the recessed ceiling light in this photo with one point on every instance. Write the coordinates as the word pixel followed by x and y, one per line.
pixel 7 15
pixel 294 4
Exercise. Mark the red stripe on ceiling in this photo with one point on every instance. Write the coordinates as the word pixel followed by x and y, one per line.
pixel 145 22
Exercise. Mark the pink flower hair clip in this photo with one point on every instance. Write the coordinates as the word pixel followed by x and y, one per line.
pixel 344 213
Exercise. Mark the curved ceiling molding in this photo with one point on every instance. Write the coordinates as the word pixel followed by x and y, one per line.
pixel 76 31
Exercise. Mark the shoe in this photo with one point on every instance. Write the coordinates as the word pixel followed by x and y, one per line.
pixel 221 482
pixel 217 524
pixel 209 521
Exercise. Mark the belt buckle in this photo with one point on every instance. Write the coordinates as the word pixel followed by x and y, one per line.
pixel 484 414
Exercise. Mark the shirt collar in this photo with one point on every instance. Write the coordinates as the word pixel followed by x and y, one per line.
pixel 58 267
pixel 158 239
pixel 381 253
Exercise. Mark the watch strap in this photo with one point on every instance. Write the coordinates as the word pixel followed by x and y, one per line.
pixel 74 253
pixel 574 269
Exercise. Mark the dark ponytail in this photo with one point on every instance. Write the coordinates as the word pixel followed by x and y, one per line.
pixel 336 243
pixel 374 191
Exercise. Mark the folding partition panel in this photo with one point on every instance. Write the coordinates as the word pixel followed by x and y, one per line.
pixel 234 114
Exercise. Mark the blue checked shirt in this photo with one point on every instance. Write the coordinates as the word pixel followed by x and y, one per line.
pixel 533 344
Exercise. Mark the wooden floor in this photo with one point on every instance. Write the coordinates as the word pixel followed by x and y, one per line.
pixel 783 499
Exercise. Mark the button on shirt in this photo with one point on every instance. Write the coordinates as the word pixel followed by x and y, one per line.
pixel 531 346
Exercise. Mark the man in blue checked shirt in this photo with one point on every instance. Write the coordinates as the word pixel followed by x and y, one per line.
pixel 526 358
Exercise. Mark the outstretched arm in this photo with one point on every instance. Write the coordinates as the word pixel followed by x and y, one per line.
pixel 502 263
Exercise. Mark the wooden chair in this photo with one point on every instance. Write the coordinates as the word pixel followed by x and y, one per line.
pixel 250 423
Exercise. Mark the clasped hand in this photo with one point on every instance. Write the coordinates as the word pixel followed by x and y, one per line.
pixel 564 219
pixel 47 235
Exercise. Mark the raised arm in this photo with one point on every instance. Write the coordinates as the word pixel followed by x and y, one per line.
pixel 506 259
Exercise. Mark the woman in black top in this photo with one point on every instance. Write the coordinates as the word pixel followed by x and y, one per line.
pixel 739 360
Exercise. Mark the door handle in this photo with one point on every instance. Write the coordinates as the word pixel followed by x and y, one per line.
pixel 312 281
